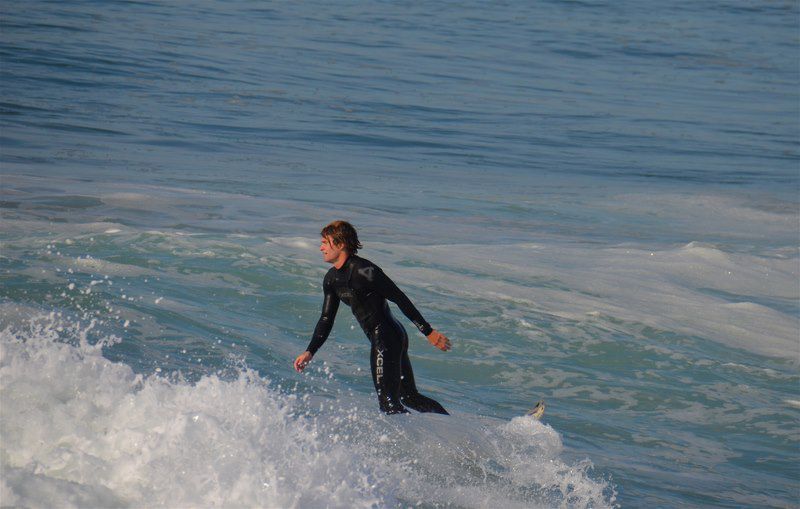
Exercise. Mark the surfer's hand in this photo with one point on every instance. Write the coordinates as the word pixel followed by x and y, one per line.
pixel 439 340
pixel 302 361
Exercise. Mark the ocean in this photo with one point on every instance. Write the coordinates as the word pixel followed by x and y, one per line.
pixel 598 202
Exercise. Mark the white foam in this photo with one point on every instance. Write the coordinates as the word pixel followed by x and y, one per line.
pixel 98 266
pixel 296 242
pixel 56 232
pixel 79 430
pixel 793 403
pixel 695 289
pixel 747 216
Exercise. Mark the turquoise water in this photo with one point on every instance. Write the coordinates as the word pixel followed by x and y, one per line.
pixel 597 202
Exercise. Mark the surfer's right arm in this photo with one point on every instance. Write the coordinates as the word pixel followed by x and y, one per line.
pixel 330 305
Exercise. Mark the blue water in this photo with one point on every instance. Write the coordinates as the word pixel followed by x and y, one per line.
pixel 598 202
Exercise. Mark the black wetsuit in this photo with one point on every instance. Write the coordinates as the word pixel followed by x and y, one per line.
pixel 364 287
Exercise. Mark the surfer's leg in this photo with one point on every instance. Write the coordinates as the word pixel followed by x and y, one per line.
pixel 384 360
pixel 409 394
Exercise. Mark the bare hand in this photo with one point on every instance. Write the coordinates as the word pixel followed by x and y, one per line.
pixel 439 340
pixel 302 361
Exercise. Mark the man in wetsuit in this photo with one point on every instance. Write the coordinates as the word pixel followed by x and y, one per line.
pixel 364 287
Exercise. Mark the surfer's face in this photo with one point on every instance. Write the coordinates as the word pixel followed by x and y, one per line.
pixel 330 251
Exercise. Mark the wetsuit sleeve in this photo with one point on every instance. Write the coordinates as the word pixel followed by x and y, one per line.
pixel 388 289
pixel 330 305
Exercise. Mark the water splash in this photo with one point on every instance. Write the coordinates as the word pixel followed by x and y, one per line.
pixel 80 430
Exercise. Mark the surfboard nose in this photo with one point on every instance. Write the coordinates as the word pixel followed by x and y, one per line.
pixel 537 411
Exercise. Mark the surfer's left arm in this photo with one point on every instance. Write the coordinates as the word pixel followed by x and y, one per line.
pixel 389 289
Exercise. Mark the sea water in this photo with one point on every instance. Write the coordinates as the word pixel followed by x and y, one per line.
pixel 596 201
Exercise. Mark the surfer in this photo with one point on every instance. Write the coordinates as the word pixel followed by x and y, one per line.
pixel 364 287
